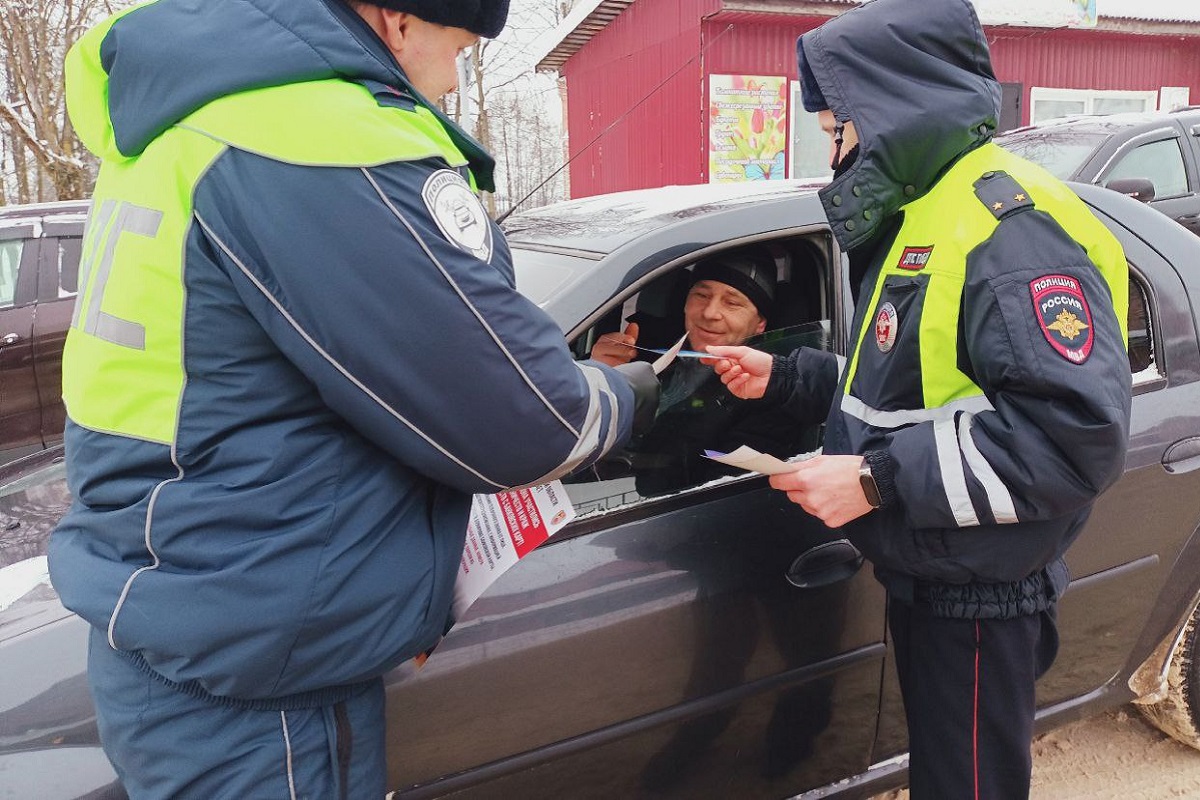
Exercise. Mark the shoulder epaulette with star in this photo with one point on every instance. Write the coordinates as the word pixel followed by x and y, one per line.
pixel 1001 194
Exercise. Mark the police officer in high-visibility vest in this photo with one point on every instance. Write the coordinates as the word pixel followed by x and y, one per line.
pixel 984 404
pixel 298 351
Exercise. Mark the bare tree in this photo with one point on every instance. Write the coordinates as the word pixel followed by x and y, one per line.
pixel 528 143
pixel 41 156
pixel 511 117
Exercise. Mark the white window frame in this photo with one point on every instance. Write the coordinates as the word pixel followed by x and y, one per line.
pixel 798 112
pixel 1089 98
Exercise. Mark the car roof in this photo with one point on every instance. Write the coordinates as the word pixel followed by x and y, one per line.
pixel 1110 123
pixel 605 223
pixel 39 210
pixel 29 466
pixel 66 217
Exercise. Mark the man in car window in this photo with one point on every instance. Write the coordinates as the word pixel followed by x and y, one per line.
pixel 730 299
pixel 297 352
pixel 985 402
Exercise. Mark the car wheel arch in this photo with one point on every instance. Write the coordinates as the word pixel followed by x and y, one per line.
pixel 1171 685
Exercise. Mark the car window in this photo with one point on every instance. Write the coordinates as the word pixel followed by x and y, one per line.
pixel 1060 151
pixel 1142 362
pixel 540 274
pixel 68 265
pixel 10 261
pixel 1161 162
pixel 695 412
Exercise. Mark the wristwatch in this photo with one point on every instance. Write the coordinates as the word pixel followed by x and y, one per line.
pixel 867 481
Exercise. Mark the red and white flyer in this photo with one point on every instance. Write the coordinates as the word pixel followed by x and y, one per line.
pixel 503 529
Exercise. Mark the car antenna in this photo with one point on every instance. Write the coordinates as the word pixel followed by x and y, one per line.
pixel 612 125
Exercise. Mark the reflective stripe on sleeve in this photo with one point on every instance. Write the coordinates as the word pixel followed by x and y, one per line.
pixel 954 477
pixel 589 432
pixel 1003 508
pixel 895 419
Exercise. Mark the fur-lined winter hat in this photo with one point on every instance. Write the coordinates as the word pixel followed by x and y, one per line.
pixel 483 17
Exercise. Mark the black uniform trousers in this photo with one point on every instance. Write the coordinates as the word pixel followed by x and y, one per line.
pixel 968 689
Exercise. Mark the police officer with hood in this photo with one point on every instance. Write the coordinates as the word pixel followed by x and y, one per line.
pixel 985 401
pixel 297 352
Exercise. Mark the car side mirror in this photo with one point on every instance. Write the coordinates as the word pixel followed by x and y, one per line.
pixel 1140 189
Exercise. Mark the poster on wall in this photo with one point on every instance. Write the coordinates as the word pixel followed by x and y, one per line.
pixel 747 128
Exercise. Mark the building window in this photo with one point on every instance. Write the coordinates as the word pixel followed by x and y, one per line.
pixel 1050 103
pixel 809 144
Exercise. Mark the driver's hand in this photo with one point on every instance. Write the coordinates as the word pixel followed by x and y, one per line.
pixel 616 348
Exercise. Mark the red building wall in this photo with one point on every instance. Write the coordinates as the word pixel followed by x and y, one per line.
pixel 649 54
pixel 1076 59
pixel 662 140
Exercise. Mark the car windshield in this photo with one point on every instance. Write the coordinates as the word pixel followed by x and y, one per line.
pixel 1061 151
pixel 540 274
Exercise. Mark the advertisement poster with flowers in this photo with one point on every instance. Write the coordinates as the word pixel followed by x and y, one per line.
pixel 747 128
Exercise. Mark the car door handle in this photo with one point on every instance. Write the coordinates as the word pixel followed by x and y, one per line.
pixel 10 338
pixel 1182 456
pixel 828 562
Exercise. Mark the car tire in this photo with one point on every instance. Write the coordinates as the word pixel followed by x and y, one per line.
pixel 1178 712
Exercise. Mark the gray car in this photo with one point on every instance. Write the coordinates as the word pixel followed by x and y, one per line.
pixel 715 641
pixel 1153 156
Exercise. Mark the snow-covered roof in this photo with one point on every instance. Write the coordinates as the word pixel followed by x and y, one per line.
pixel 585 20
pixel 589 17
pixel 1155 10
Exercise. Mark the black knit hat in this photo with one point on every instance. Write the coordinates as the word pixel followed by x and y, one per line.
pixel 483 17
pixel 750 272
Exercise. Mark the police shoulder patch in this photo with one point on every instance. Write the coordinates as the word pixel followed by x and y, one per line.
pixel 458 213
pixel 1001 194
pixel 1063 315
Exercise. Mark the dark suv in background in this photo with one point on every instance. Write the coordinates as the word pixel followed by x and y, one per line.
pixel 39 269
pixel 1152 156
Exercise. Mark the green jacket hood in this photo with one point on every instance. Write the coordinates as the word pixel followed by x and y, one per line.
pixel 916 79
pixel 138 73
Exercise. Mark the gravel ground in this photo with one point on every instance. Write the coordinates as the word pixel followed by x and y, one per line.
pixel 1117 755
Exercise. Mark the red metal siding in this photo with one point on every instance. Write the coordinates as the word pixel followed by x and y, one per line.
pixel 762 45
pixel 765 47
pixel 665 139
pixel 1088 60
pixel 660 142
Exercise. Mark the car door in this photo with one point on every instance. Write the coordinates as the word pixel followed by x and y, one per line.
pixel 1122 558
pixel 1166 160
pixel 655 646
pixel 58 271
pixel 20 418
